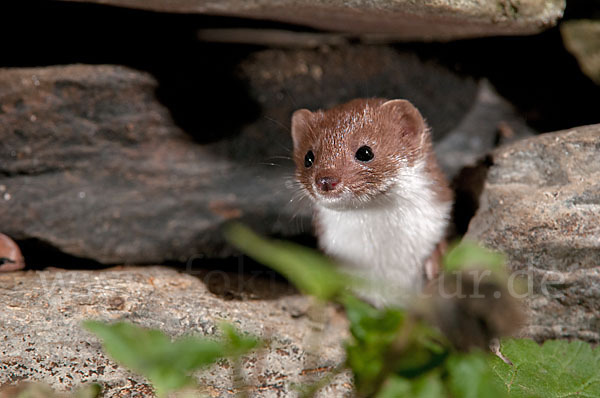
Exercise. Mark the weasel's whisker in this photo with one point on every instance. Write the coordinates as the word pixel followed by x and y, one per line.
pixel 281 157
pixel 269 164
pixel 291 97
pixel 277 122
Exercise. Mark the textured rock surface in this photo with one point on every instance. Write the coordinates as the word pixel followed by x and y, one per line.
pixel 404 19
pixel 43 340
pixel 93 165
pixel 582 38
pixel 541 206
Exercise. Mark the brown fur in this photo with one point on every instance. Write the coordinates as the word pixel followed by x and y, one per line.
pixel 395 130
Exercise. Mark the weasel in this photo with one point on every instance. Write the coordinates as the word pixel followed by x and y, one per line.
pixel 381 202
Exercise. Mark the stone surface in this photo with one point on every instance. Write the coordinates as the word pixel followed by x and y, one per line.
pixel 541 206
pixel 94 166
pixel 43 340
pixel 399 19
pixel 491 121
pixel 582 38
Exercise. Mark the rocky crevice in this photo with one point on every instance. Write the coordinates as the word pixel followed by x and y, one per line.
pixel 144 143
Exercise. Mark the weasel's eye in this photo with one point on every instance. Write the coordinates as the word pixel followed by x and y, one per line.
pixel 364 154
pixel 309 159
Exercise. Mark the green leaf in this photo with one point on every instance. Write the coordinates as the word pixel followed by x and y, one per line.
pixel 467 255
pixel 395 387
pixel 387 343
pixel 557 368
pixel 88 391
pixel 237 344
pixel 166 364
pixel 429 385
pixel 374 331
pixel 36 390
pixel 307 269
pixel 470 376
pixel 367 321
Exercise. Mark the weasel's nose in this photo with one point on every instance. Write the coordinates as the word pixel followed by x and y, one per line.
pixel 326 184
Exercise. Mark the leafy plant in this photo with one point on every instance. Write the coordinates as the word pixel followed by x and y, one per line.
pixel 469 255
pixel 307 269
pixel 392 353
pixel 470 376
pixel 388 345
pixel 558 368
pixel 167 364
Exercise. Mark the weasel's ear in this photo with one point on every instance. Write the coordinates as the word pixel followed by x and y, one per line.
pixel 300 120
pixel 408 117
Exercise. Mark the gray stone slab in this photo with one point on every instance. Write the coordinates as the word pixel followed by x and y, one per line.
pixel 541 206
pixel 42 338
pixel 395 19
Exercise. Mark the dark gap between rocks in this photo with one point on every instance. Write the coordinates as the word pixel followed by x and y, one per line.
pixel 240 277
pixel 39 255
pixel 467 186
pixel 535 73
pixel 231 278
pixel 237 278
pixel 582 9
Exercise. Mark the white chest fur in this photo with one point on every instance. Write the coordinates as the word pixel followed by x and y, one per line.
pixel 388 243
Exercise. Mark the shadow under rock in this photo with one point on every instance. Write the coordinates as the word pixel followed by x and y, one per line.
pixel 238 278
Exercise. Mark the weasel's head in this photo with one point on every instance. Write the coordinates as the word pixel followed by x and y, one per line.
pixel 349 155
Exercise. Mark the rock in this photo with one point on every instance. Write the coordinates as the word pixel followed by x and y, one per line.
pixel 582 38
pixel 94 166
pixel 491 121
pixel 44 341
pixel 400 19
pixel 282 81
pixel 541 206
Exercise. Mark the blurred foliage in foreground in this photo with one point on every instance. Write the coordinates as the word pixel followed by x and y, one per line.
pixel 392 353
pixel 167 364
